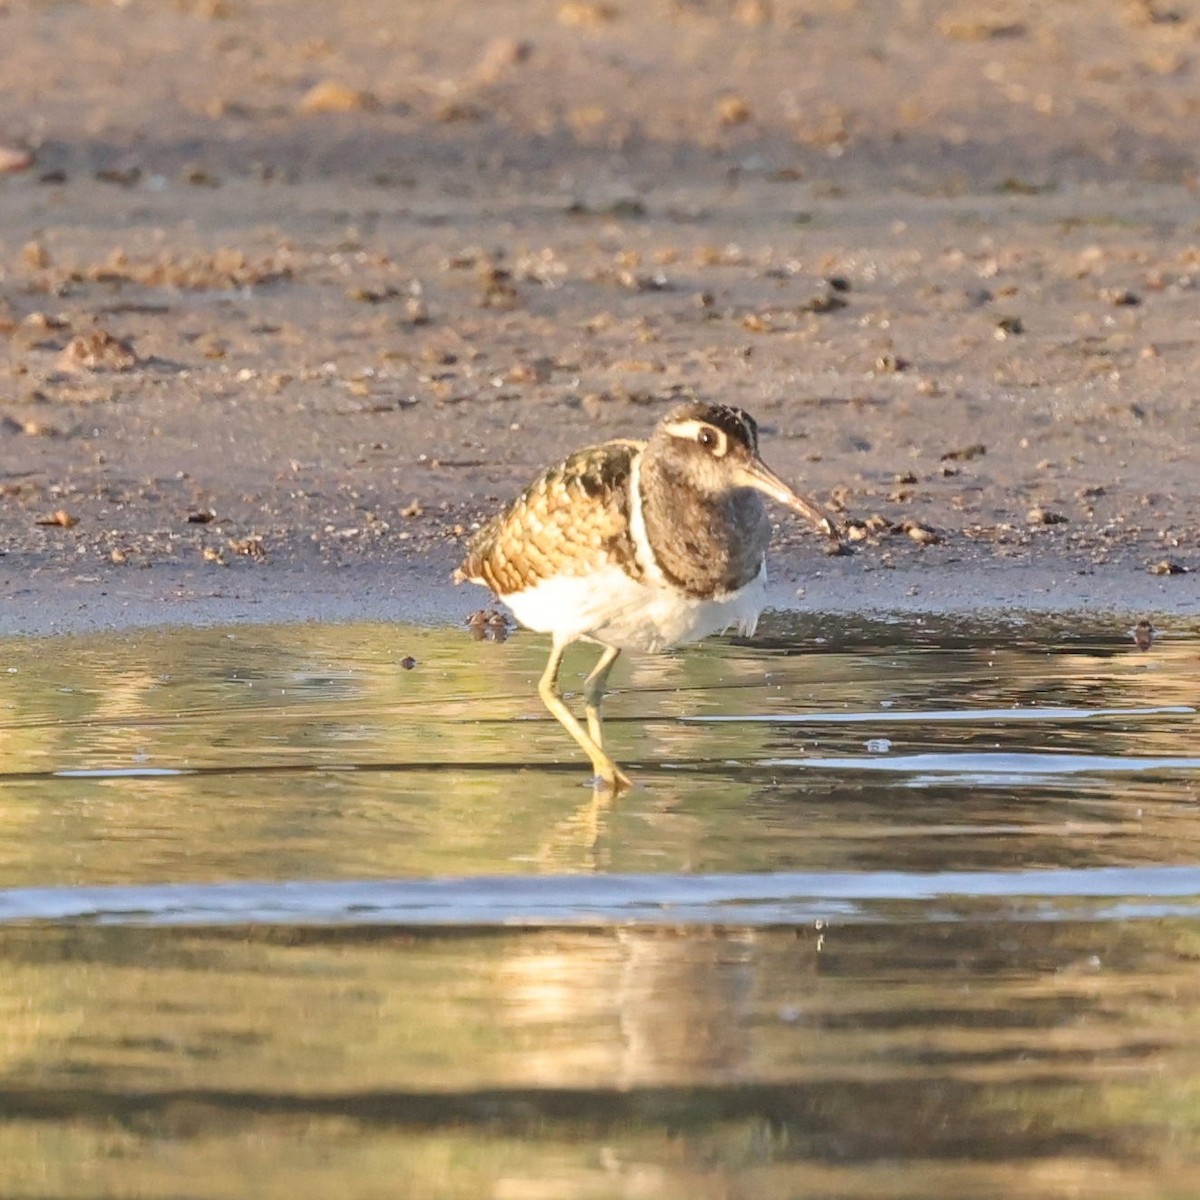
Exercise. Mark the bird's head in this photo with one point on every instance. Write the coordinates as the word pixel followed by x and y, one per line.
pixel 713 449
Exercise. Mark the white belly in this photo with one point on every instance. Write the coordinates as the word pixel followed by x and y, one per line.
pixel 611 608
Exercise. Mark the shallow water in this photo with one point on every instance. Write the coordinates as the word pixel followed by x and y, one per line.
pixel 896 910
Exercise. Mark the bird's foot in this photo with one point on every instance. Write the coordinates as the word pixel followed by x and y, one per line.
pixel 610 778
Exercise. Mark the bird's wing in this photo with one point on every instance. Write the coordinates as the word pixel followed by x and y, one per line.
pixel 572 520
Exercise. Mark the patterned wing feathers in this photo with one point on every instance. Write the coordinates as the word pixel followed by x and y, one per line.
pixel 572 520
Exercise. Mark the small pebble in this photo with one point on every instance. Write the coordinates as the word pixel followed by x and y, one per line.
pixel 923 535
pixel 330 96
pixel 1044 516
pixel 15 158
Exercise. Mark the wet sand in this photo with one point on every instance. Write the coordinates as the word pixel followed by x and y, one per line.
pixel 290 298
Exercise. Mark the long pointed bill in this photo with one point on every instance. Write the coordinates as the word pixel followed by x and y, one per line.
pixel 757 475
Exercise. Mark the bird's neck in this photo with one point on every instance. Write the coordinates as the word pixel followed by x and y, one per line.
pixel 703 544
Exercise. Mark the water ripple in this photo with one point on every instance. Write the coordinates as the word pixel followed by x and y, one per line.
pixel 940 715
pixel 976 765
pixel 781 898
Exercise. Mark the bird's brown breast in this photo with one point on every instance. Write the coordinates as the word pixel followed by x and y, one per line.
pixel 705 546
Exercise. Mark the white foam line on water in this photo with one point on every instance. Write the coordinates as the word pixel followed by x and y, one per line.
pixel 120 772
pixel 982 765
pixel 941 715
pixel 551 900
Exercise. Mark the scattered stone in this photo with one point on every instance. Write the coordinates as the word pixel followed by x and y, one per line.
pixel 1015 186
pixel 639 282
pixel 98 351
pixel 121 176
pixel 364 295
pixel 250 547
pixel 537 370
pixel 586 14
pixel 44 322
pixel 15 158
pixel 416 312
pixel 586 119
pixel 221 269
pixel 458 110
pixel 329 96
pixel 827 303
pixel 199 176
pixel 500 55
pixel 923 535
pixel 1122 297
pixel 34 254
pixel 975 450
pixel 59 518
pixel 1148 12
pixel 752 12
pixel 622 206
pixel 32 427
pixel 732 109
pixel 1045 516
pixel 497 289
pixel 839 497
pixel 407 662
pixel 972 25
pixel 489 624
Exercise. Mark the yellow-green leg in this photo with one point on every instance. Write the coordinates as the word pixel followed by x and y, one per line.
pixel 593 692
pixel 606 770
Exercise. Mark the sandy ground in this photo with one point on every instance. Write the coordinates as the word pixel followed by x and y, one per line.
pixel 292 293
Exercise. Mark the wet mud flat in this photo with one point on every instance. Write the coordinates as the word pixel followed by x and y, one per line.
pixel 327 434
pixel 285 293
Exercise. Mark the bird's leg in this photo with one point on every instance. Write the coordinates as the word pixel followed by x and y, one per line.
pixel 607 770
pixel 593 692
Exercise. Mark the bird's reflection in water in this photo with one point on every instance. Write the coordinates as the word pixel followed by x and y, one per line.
pixel 633 1007
pixel 683 1003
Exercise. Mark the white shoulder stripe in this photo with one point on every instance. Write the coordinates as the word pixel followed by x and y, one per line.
pixel 637 525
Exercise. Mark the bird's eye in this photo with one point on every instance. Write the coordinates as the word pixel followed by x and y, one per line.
pixel 707 438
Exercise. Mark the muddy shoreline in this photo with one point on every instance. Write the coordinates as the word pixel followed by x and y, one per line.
pixel 290 300
pixel 47 603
